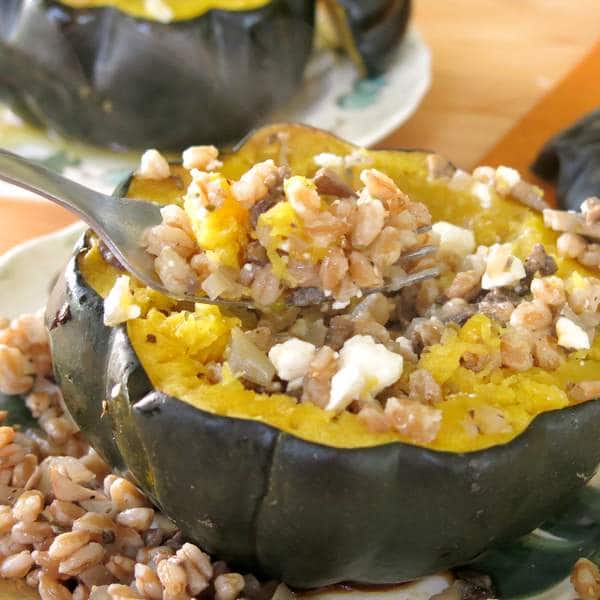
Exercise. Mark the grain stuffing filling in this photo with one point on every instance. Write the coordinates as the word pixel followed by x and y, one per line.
pixel 461 362
pixel 272 235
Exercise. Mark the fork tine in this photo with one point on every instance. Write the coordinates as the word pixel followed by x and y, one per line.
pixel 410 279
pixel 413 278
pixel 418 253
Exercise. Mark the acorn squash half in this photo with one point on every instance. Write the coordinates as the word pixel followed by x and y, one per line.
pixel 109 73
pixel 267 498
pixel 368 31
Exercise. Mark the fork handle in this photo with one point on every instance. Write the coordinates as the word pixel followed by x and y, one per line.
pixel 84 202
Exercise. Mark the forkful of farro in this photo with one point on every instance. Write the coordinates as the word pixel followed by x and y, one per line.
pixel 268 238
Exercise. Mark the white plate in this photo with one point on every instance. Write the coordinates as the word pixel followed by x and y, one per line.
pixel 28 270
pixel 331 97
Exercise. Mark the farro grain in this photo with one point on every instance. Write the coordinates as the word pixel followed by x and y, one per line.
pixel 7 520
pixel 121 567
pixel 63 513
pixel 585 577
pixel 83 558
pixel 547 353
pixel 571 244
pixel 97 525
pixel 96 575
pixel 172 576
pixel 368 223
pixel 50 589
pixel 490 419
pixel 16 565
pixel 423 387
pixel 65 544
pixel 23 473
pixel 15 371
pixel 117 591
pixel 81 592
pixel 30 533
pixel 228 586
pixel 466 285
pixel 373 418
pixel 418 422
pixel 333 269
pixel 532 316
pixel 174 271
pixel 516 348
pixel 584 391
pixel 28 506
pixel 147 582
pixel 125 495
pixel 136 518
pixel 9 546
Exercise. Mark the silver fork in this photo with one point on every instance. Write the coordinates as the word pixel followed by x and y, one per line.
pixel 121 223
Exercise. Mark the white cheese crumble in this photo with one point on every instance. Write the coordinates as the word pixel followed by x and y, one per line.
pixel 460 181
pixel 153 165
pixel 502 268
pixel 482 192
pixel 119 305
pixel 506 179
pixel 329 160
pixel 366 368
pixel 337 162
pixel 485 174
pixel 292 358
pixel 159 10
pixel 570 335
pixel 453 239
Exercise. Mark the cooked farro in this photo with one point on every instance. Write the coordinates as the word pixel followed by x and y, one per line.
pixel 70 528
pixel 318 226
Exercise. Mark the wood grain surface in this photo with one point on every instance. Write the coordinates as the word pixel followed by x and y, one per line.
pixel 493 60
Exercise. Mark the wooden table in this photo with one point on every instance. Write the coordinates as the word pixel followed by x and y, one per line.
pixel 492 61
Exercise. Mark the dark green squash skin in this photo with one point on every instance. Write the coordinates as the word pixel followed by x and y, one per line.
pixel 107 78
pixel 308 514
pixel 377 26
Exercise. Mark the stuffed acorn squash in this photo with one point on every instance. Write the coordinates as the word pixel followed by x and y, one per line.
pixel 114 72
pixel 110 73
pixel 467 410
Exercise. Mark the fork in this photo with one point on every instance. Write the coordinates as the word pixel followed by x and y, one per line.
pixel 122 222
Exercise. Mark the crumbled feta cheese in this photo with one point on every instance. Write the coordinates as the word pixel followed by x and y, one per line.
pixel 482 192
pixel 196 197
pixel 502 268
pixel 453 239
pixel 119 305
pixel 506 179
pixel 358 158
pixel 292 358
pixel 485 174
pixel 153 165
pixel 570 335
pixel 159 10
pixel 329 160
pixel 366 368
pixel 336 162
pixel 460 181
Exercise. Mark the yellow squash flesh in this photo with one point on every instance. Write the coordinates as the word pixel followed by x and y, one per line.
pixel 181 10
